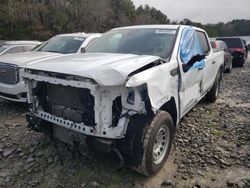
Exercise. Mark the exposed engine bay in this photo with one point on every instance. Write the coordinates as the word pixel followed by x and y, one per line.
pixel 82 105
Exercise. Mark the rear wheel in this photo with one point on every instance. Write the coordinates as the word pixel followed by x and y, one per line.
pixel 241 64
pixel 156 144
pixel 214 92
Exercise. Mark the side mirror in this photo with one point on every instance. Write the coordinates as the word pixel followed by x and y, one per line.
pixel 246 46
pixel 83 50
pixel 198 57
pixel 192 61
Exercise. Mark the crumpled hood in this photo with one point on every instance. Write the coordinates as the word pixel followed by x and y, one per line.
pixel 23 58
pixel 106 69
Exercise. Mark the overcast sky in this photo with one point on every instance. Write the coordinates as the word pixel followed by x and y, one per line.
pixel 204 11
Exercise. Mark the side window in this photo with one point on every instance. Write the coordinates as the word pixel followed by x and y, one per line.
pixel 191 53
pixel 15 50
pixel 203 41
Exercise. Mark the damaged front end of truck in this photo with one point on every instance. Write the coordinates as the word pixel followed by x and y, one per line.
pixel 73 109
pixel 111 114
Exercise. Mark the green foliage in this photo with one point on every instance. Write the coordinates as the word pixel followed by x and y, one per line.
pixel 232 28
pixel 41 19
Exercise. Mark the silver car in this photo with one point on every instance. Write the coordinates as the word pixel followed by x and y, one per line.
pixel 10 47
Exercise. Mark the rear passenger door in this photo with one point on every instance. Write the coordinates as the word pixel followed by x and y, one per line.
pixel 209 70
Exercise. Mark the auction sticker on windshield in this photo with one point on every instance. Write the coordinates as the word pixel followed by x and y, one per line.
pixel 79 38
pixel 165 31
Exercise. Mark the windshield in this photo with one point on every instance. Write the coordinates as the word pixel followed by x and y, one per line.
pixel 157 42
pixel 232 42
pixel 62 44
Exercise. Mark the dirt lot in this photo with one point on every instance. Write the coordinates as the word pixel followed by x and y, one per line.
pixel 211 149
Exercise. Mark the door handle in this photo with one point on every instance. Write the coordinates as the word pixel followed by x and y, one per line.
pixel 213 62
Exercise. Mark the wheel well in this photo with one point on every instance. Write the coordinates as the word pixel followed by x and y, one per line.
pixel 170 107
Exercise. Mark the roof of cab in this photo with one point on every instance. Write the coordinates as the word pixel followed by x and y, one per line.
pixel 158 27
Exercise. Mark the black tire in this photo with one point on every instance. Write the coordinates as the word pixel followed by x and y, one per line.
pixel 241 64
pixel 212 95
pixel 148 165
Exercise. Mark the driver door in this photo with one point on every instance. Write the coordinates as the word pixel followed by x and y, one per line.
pixel 191 79
pixel 190 89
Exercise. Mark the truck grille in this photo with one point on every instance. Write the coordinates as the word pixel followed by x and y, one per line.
pixel 8 73
pixel 74 104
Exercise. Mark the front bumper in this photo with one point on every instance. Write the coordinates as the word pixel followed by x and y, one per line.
pixel 16 92
pixel 104 98
pixel 66 135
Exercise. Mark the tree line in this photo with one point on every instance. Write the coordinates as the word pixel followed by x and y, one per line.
pixel 41 19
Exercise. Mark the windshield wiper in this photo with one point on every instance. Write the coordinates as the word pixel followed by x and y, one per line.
pixel 53 51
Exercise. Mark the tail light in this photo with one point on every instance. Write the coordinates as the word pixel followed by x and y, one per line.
pixel 241 50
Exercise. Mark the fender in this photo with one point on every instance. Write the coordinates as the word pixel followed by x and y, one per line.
pixel 162 84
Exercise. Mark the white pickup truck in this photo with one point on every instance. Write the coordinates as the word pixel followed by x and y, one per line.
pixel 12 87
pixel 127 93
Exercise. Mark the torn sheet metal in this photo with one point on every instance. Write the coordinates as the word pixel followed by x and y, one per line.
pixel 190 46
pixel 105 69
pixel 160 84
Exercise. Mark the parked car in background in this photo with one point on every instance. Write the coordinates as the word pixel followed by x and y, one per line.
pixel 221 45
pixel 127 93
pixel 10 47
pixel 12 87
pixel 236 48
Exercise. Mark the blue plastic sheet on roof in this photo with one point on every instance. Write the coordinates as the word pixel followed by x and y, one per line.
pixel 190 46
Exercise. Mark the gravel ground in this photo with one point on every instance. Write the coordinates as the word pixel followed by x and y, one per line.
pixel 211 149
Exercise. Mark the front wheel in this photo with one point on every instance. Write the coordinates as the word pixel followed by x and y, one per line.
pixel 157 143
pixel 212 95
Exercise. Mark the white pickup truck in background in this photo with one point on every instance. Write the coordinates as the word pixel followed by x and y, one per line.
pixel 12 87
pixel 127 93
